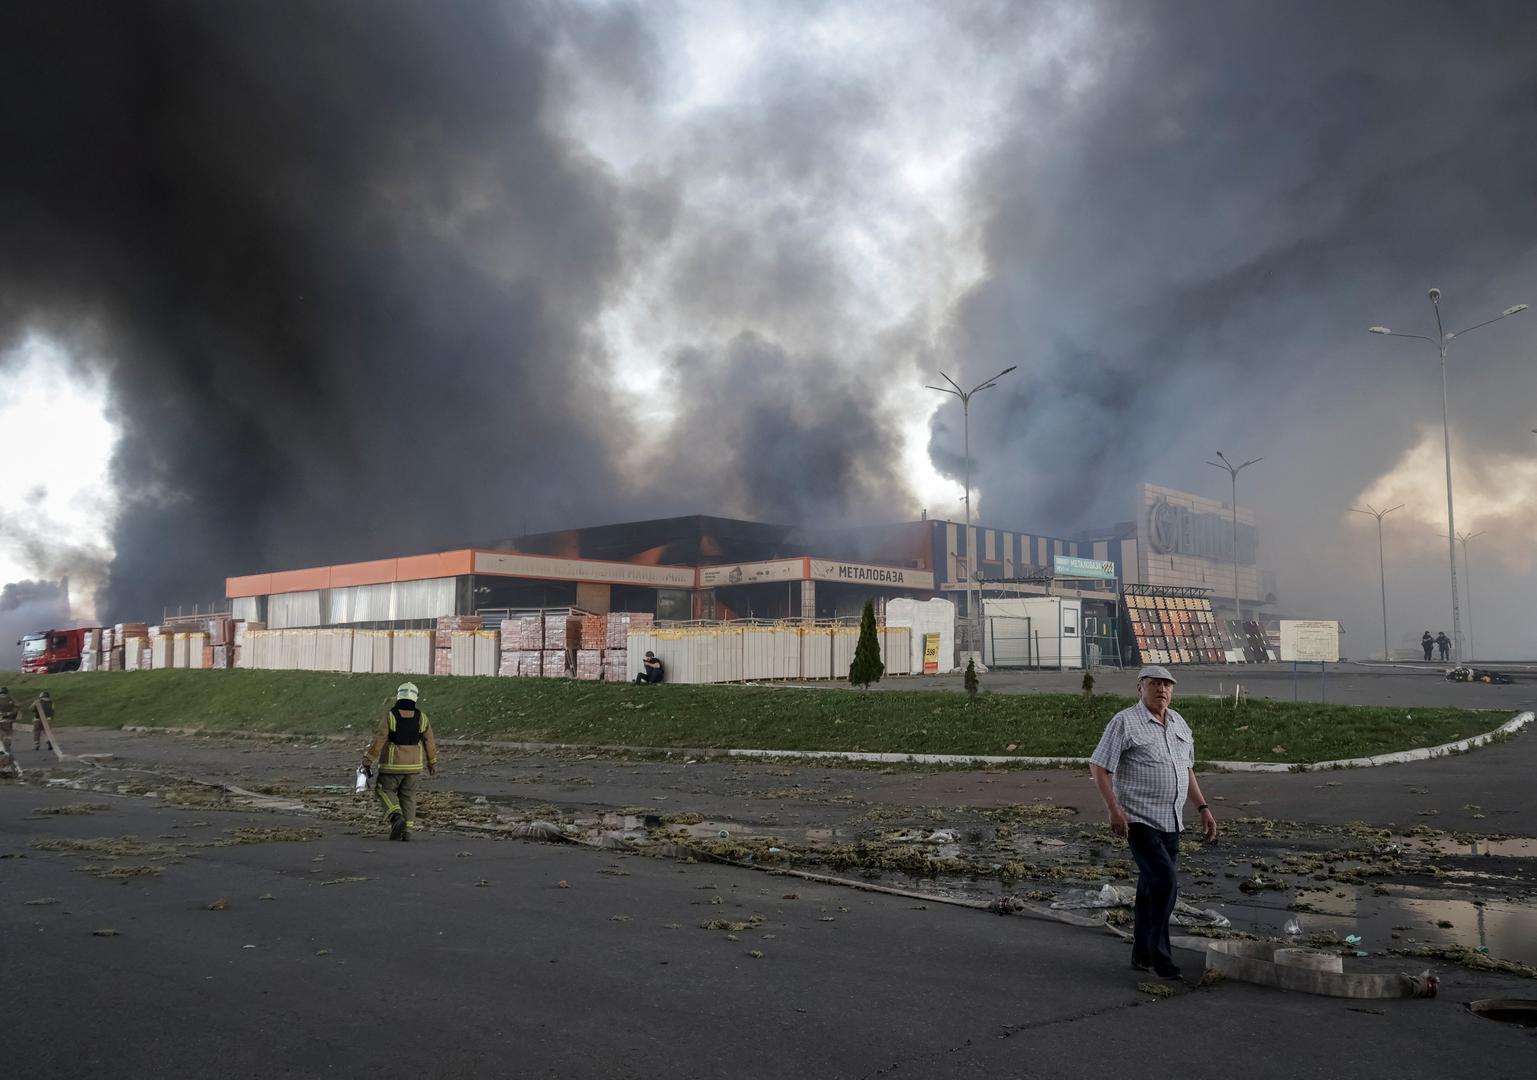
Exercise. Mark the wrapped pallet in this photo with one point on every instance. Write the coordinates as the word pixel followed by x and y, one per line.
pixel 161 652
pixel 116 659
pixel 619 624
pixel 488 647
pixel 552 663
pixel 461 654
pixel 194 650
pixel 219 656
pixel 108 640
pixel 443 658
pixel 525 633
pixel 123 631
pixel 180 650
pixel 90 641
pixel 615 662
pixel 450 624
pixel 411 652
pixel 220 630
pixel 132 651
pixel 556 628
pixel 146 658
pixel 88 661
pixel 589 664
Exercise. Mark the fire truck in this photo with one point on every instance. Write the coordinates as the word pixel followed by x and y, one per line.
pixel 51 651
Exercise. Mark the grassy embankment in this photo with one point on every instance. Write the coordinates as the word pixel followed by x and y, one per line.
pixel 729 716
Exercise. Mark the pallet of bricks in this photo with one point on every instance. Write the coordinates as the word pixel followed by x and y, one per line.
pixel 592 634
pixel 522 646
pixel 616 642
pixel 562 639
pixel 443 640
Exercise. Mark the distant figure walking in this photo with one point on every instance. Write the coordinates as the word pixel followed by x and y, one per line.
pixel 1427 643
pixel 1444 643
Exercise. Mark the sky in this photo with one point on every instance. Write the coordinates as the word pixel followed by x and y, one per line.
pixel 298 282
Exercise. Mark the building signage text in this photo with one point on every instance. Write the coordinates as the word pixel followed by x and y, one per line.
pixel 1072 566
pixel 1179 530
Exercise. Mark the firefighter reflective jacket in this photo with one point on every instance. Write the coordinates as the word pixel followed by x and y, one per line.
pixel 403 742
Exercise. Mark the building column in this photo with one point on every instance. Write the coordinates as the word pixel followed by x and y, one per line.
pixel 808 599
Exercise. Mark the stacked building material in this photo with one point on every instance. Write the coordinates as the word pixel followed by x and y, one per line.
pixel 238 637
pixel 461 653
pixel 146 657
pixel 552 663
pixel 524 633
pixel 589 664
pixel 531 663
pixel 189 650
pixel 557 633
pixel 615 664
pixel 131 653
pixel 619 625
pixel 488 647
pixel 443 657
pixel 412 652
pixel 448 626
pixel 221 630
pixel 107 641
pixel 594 632
pixel 219 656
pixel 88 659
pixel 114 658
pixel 161 654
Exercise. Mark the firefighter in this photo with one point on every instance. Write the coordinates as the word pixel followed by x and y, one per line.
pixel 402 746
pixel 42 710
pixel 8 714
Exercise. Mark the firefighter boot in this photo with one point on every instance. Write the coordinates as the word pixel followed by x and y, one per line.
pixel 397 826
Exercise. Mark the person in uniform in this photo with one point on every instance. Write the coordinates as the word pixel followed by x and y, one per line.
pixel 42 717
pixel 402 747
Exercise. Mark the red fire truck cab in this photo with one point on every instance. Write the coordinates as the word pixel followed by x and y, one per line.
pixel 51 651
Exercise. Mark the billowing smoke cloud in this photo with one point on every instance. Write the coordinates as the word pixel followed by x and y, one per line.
pixel 341 266
pixel 1187 238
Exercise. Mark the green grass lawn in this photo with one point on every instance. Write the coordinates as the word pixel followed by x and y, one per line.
pixel 729 716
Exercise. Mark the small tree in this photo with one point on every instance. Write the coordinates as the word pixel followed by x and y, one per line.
pixel 867 666
pixel 1088 684
pixel 971 677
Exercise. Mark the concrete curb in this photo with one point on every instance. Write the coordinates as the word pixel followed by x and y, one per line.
pixel 1510 727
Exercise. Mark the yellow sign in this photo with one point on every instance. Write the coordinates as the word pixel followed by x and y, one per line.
pixel 930 654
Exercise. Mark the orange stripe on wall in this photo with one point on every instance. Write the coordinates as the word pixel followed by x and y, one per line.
pixel 378 572
pixel 250 585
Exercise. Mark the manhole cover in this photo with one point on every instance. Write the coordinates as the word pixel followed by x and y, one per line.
pixel 1522 1011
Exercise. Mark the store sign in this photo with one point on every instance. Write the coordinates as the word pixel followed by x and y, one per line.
pixel 930 654
pixel 757 573
pixel 1179 530
pixel 1071 566
pixel 859 574
pixel 612 573
pixel 1310 640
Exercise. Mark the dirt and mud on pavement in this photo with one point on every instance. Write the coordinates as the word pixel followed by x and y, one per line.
pixel 1416 878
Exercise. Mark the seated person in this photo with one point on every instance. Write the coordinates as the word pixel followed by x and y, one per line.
pixel 651 669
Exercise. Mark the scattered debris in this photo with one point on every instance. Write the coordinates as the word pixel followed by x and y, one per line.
pixel 72 808
pixel 1156 990
pixel 104 933
pixel 343 880
pixel 42 901
pixel 217 905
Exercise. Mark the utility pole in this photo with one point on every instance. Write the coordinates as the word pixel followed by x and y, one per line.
pixel 1381 572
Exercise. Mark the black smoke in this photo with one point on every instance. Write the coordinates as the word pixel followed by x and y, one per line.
pixel 340 265
pixel 25 608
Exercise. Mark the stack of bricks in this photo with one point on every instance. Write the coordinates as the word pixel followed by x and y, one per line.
pixel 616 642
pixel 589 664
pixel 616 665
pixel 562 635
pixel 443 641
pixel 522 637
pixel 594 632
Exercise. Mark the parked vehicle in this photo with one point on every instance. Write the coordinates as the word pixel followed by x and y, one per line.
pixel 51 651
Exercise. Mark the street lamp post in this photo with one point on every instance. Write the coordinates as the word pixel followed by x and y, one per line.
pixel 1382 574
pixel 1233 471
pixel 1467 572
pixel 965 396
pixel 1442 341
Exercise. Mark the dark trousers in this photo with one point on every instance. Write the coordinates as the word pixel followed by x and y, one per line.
pixel 1428 646
pixel 1157 856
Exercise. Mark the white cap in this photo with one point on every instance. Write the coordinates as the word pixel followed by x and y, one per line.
pixel 1153 671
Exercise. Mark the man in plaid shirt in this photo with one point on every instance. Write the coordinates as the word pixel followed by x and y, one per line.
pixel 1144 767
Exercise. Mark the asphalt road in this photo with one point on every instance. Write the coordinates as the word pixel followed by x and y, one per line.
pixel 350 956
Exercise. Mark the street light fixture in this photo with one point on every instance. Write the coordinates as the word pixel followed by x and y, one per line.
pixel 1442 341
pixel 1382 575
pixel 965 396
pixel 1467 572
pixel 1233 471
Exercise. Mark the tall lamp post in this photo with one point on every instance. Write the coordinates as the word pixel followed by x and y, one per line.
pixel 1442 341
pixel 1233 471
pixel 1382 574
pixel 966 396
pixel 1467 572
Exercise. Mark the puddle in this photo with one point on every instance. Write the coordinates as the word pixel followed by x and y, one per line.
pixel 1509 847
pixel 1507 930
